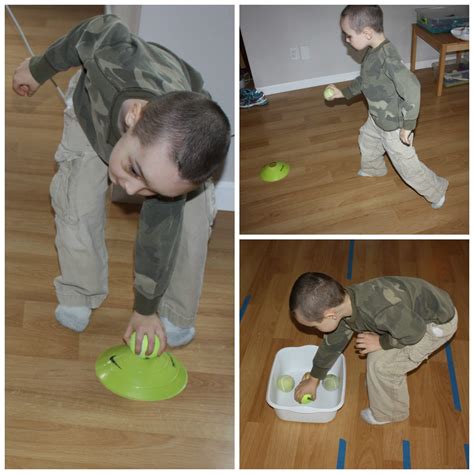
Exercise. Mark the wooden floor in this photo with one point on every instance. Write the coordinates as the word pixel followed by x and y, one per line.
pixel 322 193
pixel 57 413
pixel 436 432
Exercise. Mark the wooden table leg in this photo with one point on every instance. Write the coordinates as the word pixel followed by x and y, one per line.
pixel 442 66
pixel 413 48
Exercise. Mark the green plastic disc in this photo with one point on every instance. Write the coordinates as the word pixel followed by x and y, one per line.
pixel 274 171
pixel 130 376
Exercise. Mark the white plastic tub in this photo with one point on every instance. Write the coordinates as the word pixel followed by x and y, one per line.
pixel 296 361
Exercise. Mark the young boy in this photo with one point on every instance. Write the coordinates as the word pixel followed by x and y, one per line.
pixel 136 115
pixel 393 97
pixel 399 322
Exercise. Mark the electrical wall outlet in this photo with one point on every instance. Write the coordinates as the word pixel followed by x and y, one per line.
pixel 294 54
pixel 304 50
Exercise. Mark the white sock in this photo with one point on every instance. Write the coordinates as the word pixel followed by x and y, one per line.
pixel 175 335
pixel 73 317
pixel 363 173
pixel 438 204
pixel 368 417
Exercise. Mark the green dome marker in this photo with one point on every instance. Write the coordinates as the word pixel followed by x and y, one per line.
pixel 274 171
pixel 136 378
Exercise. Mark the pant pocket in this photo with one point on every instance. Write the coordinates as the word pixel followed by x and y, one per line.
pixel 59 191
pixel 417 355
pixel 211 205
pixel 79 187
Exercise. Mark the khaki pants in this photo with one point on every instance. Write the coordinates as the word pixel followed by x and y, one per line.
pixel 78 194
pixel 387 371
pixel 374 142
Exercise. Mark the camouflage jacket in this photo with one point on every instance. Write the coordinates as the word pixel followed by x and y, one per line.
pixel 396 308
pixel 391 90
pixel 116 66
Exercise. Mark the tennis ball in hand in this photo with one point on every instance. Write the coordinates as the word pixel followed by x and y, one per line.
pixel 328 93
pixel 306 398
pixel 285 383
pixel 331 382
pixel 132 342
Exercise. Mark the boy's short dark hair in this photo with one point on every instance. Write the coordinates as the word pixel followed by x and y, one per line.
pixel 314 293
pixel 196 129
pixel 360 16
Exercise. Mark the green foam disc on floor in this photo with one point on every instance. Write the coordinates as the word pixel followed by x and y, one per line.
pixel 274 171
pixel 146 379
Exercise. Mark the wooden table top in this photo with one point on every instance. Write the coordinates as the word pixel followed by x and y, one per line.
pixel 440 39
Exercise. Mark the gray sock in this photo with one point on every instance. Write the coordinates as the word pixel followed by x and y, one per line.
pixel 175 335
pixel 73 317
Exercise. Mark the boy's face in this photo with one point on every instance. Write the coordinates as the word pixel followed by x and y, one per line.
pixel 145 171
pixel 328 324
pixel 358 41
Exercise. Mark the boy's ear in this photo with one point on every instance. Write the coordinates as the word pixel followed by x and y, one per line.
pixel 133 114
pixel 368 32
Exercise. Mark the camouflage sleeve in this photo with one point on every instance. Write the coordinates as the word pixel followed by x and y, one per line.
pixel 63 54
pixel 353 89
pixel 156 248
pixel 331 348
pixel 401 325
pixel 408 88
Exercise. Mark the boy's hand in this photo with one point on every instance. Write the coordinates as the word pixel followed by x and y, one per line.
pixel 24 83
pixel 337 93
pixel 405 136
pixel 367 342
pixel 149 325
pixel 306 386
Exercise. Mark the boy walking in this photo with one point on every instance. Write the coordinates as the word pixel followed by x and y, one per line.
pixel 399 322
pixel 137 116
pixel 393 97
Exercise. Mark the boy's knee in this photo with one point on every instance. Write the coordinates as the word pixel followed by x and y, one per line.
pixel 382 367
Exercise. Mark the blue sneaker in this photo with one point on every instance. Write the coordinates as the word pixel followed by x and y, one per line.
pixel 253 94
pixel 251 98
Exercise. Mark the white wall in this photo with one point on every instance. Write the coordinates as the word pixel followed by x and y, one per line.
pixel 130 14
pixel 204 37
pixel 270 31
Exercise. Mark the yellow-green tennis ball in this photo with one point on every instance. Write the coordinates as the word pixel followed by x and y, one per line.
pixel 328 93
pixel 132 342
pixel 285 383
pixel 331 382
pixel 306 398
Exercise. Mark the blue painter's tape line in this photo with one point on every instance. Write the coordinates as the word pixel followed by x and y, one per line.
pixel 341 454
pixel 452 377
pixel 350 259
pixel 244 306
pixel 406 454
pixel 466 453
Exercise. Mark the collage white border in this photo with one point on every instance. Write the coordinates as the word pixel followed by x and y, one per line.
pixel 237 236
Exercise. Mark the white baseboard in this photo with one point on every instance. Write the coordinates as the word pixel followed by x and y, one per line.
pixel 334 78
pixel 225 195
